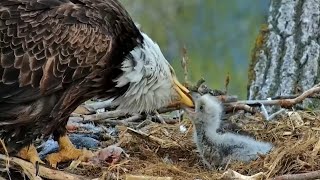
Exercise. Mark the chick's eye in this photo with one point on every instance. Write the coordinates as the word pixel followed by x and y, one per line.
pixel 201 108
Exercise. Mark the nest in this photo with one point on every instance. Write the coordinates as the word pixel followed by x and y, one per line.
pixel 296 140
pixel 164 150
pixel 168 151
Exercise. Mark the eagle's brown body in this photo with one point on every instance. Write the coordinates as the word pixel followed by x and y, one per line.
pixel 54 55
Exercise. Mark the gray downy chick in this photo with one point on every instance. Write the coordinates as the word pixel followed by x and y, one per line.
pixel 217 149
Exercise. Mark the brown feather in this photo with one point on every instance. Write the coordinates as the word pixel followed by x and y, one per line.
pixel 55 54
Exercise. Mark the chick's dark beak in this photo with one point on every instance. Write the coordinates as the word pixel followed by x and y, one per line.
pixel 195 95
pixel 183 92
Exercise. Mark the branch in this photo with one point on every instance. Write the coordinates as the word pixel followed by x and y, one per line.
pixel 48 173
pixel 93 107
pixel 104 115
pixel 230 102
pixel 158 117
pixel 302 176
pixel 231 174
pixel 135 177
pixel 236 107
pixel 285 103
pixel 169 108
pixel 126 121
pixel 316 96
pixel 226 98
pixel 118 113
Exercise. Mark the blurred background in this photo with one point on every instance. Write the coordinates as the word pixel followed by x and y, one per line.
pixel 218 35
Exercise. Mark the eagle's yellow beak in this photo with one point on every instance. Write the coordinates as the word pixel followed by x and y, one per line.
pixel 183 93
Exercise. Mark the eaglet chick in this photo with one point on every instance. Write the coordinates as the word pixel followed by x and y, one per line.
pixel 217 149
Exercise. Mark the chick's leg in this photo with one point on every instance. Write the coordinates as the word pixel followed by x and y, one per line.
pixel 30 153
pixel 67 152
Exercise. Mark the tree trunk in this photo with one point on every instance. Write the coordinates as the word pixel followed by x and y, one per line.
pixel 285 60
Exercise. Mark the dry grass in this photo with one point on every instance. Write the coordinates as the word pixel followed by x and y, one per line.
pixel 296 145
pixel 162 150
pixel 169 152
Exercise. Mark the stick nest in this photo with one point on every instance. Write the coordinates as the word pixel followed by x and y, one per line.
pixel 164 150
pixel 167 150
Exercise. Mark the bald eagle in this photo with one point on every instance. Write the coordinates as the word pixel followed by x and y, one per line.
pixel 56 54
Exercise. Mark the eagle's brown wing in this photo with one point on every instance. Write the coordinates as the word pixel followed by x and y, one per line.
pixel 55 54
pixel 47 45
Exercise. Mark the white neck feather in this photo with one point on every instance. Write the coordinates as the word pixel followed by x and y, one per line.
pixel 149 77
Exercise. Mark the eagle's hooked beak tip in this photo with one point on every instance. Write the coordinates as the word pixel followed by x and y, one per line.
pixel 184 93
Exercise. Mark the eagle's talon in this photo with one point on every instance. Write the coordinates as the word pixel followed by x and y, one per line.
pixel 30 154
pixel 37 167
pixel 67 152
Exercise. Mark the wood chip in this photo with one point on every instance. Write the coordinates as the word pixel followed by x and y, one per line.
pixel 135 177
pixel 287 133
pixel 231 174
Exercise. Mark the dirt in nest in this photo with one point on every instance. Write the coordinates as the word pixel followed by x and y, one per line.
pixel 166 151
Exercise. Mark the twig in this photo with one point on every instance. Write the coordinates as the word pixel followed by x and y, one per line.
pixel 159 117
pixel 316 96
pixel 229 101
pixel 226 83
pixel 226 98
pixel 144 123
pixel 285 103
pixel 171 121
pixel 104 115
pixel 201 88
pixel 168 109
pixel 233 104
pixel 232 107
pixel 118 113
pixel 7 155
pixel 92 107
pixel 162 142
pixel 127 121
pixel 302 176
pixel 184 64
pixel 194 88
pixel 266 114
pixel 231 174
pixel 135 177
pixel 48 173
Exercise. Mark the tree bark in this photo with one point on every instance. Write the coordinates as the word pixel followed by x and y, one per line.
pixel 285 60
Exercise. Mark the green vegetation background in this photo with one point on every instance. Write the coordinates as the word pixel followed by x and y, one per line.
pixel 218 34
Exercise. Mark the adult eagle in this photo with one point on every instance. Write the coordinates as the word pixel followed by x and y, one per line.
pixel 56 54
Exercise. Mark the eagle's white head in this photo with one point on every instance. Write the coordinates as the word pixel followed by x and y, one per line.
pixel 152 81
